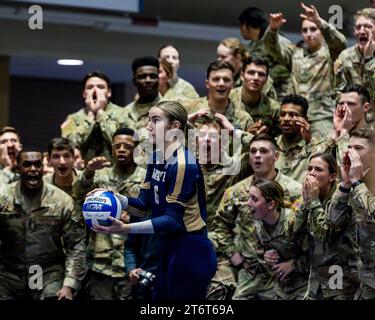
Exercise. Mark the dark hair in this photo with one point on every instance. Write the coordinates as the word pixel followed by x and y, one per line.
pixel 218 65
pixel 297 100
pixel 265 137
pixel 361 91
pixel 271 191
pixel 329 159
pixel 364 133
pixel 255 18
pixel 28 150
pixel 97 74
pixel 60 144
pixel 145 61
pixel 166 46
pixel 124 131
pixel 258 61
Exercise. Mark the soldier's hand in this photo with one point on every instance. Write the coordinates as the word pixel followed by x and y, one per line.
pixel 5 160
pixel 237 259
pixel 133 275
pixel 311 188
pixel 347 123
pixel 196 115
pixel 94 164
pixel 276 20
pixel 369 50
pixel 257 128
pixel 101 101
pixel 311 14
pixel 304 127
pixel 224 122
pixel 356 169
pixel 283 269
pixel 65 293
pixel 271 257
pixel 90 102
pixel 344 170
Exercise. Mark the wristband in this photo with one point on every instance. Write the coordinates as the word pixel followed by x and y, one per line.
pixel 356 183
pixel 343 189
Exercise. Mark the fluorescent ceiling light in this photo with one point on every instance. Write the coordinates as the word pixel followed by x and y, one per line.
pixel 69 62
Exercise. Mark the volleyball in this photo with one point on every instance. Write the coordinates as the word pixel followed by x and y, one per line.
pixel 99 206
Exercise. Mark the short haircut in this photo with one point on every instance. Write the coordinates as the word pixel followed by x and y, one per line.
pixel 166 46
pixel 329 159
pixel 123 131
pixel 364 133
pixel 97 74
pixel 26 151
pixel 144 61
pixel 361 91
pixel 265 137
pixel 60 144
pixel 258 61
pixel 366 12
pixel 9 129
pixel 297 100
pixel 218 65
pixel 255 18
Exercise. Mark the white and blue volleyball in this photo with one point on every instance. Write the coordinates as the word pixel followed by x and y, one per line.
pixel 99 206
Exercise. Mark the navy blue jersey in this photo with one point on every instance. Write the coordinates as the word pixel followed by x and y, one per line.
pixel 174 191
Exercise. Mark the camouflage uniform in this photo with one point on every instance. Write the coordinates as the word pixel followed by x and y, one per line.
pixel 279 73
pixel 7 177
pixel 351 68
pixel 136 117
pixel 329 245
pixel 216 181
pixel 267 110
pixel 294 158
pixel 180 89
pixel 93 136
pixel 46 231
pixel 312 74
pixel 231 217
pixel 360 204
pixel 106 252
pixel 50 178
pixel 281 239
pixel 237 117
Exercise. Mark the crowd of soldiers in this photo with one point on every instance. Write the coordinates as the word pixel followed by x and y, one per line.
pixel 295 221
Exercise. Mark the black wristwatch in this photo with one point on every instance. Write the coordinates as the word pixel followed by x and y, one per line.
pixel 356 183
pixel 368 59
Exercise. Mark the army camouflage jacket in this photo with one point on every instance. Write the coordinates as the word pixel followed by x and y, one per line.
pixel 93 136
pixel 51 234
pixel 329 245
pixel 360 204
pixel 106 252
